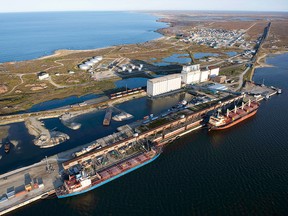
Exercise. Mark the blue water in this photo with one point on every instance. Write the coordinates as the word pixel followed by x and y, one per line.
pixel 31 35
pixel 203 54
pixel 174 59
pixel 230 54
pixel 131 82
pixel 56 103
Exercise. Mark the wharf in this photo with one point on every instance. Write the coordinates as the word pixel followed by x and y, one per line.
pixel 51 179
pixel 16 180
pixel 260 91
pixel 108 116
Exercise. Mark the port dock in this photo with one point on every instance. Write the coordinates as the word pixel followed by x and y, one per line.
pixel 113 147
pixel 108 116
pixel 28 184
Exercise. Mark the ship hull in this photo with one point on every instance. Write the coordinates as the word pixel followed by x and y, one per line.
pixel 231 124
pixel 110 179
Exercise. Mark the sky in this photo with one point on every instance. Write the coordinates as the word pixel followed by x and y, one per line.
pixel 111 5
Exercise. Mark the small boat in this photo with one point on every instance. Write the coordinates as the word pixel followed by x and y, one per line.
pixel 7 147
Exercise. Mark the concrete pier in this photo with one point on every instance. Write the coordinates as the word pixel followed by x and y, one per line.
pixel 29 183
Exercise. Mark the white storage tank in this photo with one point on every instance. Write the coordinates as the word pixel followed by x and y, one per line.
pixel 90 63
pixel 94 60
pixel 99 58
pixel 84 67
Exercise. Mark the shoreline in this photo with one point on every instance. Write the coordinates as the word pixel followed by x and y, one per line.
pixel 264 56
pixel 261 61
pixel 64 52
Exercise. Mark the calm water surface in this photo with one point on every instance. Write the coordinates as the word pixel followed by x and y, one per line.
pixel 174 59
pixel 26 36
pixel 203 54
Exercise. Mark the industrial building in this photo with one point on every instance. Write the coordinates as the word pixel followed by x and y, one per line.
pixel 214 70
pixel 163 84
pixel 192 74
pixel 204 75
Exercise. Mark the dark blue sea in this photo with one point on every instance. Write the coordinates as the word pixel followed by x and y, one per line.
pixel 25 36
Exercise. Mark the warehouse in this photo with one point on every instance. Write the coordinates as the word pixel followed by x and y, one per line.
pixel 163 84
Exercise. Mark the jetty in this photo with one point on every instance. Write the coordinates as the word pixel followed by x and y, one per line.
pixel 108 116
pixel 43 137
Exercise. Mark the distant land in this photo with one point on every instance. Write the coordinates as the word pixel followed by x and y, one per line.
pixel 20 87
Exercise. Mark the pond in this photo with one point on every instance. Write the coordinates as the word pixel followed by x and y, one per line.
pixel 200 55
pixel 174 59
pixel 232 53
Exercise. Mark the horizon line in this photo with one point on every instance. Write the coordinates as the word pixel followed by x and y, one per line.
pixel 168 10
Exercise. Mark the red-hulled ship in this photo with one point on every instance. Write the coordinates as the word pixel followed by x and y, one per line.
pixel 82 183
pixel 233 117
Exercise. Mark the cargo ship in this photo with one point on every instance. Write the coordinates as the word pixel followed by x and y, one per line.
pixel 233 117
pixel 80 182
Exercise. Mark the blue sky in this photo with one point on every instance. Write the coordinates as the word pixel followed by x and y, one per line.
pixel 93 5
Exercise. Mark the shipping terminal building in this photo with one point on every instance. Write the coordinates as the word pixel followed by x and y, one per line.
pixel 189 75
